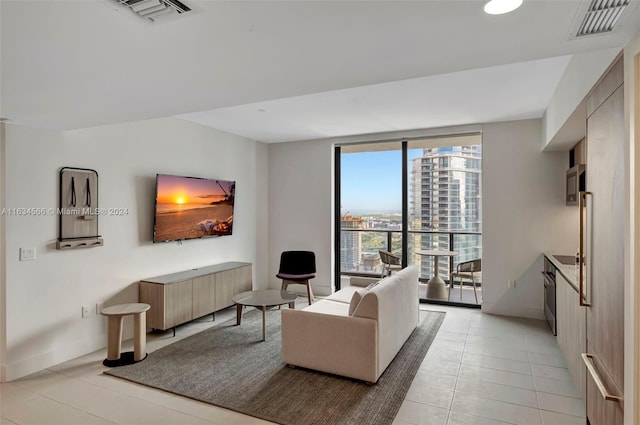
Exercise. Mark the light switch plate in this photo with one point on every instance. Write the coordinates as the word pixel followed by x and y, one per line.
pixel 27 254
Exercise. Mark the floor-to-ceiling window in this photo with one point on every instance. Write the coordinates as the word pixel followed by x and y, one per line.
pixel 411 197
pixel 370 205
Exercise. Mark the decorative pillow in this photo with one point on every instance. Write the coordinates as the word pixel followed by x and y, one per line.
pixel 355 300
pixel 371 285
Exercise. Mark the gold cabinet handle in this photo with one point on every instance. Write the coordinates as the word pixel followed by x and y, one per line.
pixel 582 196
pixel 588 361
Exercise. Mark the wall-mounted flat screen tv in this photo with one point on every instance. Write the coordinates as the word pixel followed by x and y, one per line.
pixel 192 208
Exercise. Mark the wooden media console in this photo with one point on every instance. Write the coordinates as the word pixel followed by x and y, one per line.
pixel 180 297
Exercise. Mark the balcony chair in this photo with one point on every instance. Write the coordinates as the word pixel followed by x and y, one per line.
pixel 390 263
pixel 467 270
pixel 296 268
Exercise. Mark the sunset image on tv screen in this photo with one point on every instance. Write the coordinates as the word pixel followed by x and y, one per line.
pixel 188 208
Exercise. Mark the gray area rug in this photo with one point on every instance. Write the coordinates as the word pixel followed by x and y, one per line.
pixel 230 367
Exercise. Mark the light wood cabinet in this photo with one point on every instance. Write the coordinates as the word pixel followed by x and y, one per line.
pixel 580 152
pixel 571 326
pixel 204 297
pixel 605 230
pixel 613 78
pixel 225 288
pixel 244 280
pixel 177 303
pixel 180 297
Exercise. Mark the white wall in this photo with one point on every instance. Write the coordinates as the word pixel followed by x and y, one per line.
pixel 44 297
pixel 301 206
pixel 524 215
pixel 261 266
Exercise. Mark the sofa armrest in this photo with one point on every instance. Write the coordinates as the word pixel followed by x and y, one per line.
pixel 342 345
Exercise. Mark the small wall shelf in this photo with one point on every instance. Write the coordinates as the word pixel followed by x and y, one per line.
pixel 78 210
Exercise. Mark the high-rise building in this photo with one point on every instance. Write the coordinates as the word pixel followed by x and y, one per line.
pixel 446 196
pixel 350 243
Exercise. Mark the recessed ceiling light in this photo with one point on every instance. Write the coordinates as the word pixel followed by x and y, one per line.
pixel 498 7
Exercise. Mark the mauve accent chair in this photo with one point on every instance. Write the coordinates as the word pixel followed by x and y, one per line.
pixel 296 268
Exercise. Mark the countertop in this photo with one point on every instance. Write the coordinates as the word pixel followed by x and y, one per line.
pixel 567 271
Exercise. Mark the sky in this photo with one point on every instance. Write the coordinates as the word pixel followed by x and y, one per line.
pixel 188 190
pixel 371 182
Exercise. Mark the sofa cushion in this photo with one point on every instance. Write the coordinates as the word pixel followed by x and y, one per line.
pixel 362 281
pixel 376 283
pixel 344 295
pixel 355 300
pixel 329 307
pixel 371 285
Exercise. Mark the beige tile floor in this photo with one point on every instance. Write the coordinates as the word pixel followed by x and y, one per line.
pixel 491 370
pixel 480 370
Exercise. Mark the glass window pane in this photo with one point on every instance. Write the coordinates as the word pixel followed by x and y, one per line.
pixel 445 202
pixel 371 205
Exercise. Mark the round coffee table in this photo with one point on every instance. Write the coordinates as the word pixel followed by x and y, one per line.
pixel 261 300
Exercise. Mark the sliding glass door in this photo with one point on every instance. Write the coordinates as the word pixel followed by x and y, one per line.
pixel 412 198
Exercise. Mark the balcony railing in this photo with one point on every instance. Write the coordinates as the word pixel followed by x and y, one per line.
pixel 359 249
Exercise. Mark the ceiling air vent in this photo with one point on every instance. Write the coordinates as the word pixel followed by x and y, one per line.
pixel 601 16
pixel 156 9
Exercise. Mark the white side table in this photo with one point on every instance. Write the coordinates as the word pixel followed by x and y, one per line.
pixel 116 314
pixel 435 287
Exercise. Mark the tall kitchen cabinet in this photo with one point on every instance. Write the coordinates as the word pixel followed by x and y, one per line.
pixel 604 233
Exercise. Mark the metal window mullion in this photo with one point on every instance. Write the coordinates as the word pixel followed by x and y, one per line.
pixel 405 203
pixel 337 222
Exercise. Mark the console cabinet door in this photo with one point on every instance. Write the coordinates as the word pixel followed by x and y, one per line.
pixel 244 279
pixel 225 283
pixel 153 294
pixel 204 295
pixel 178 303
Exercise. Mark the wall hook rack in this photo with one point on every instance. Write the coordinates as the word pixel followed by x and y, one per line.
pixel 78 209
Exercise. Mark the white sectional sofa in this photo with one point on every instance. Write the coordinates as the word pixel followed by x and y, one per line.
pixel 353 337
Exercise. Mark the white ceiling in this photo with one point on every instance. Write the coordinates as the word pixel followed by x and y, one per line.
pixel 315 68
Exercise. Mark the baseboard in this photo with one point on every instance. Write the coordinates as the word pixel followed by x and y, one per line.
pixel 39 362
pixel 449 303
pixel 31 365
pixel 515 311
